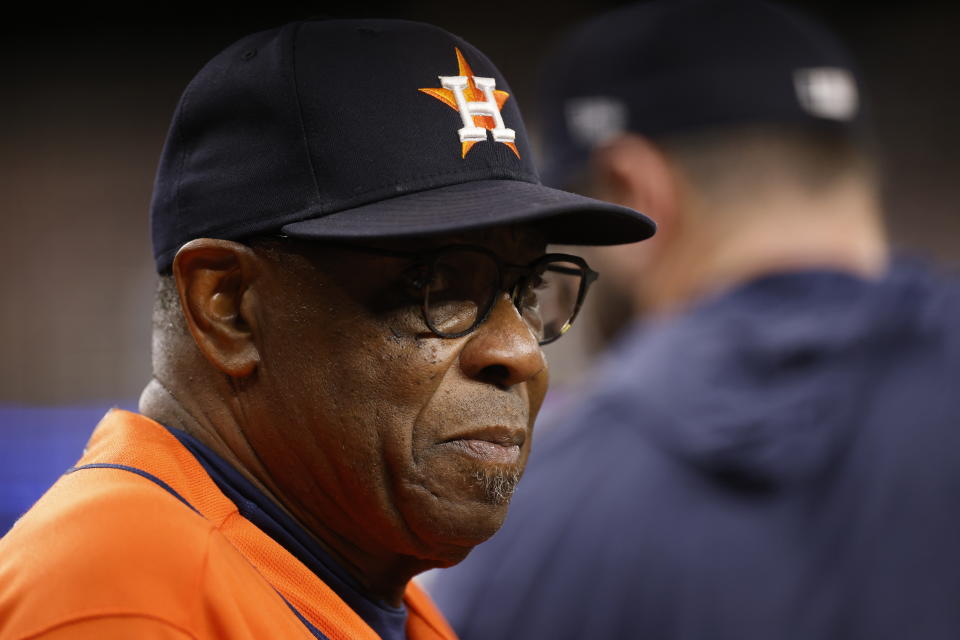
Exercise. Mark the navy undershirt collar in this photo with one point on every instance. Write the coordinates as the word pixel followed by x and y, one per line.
pixel 389 622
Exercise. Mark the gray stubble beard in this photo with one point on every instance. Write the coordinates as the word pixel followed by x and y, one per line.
pixel 497 484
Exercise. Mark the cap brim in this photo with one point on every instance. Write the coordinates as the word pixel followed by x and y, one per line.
pixel 565 218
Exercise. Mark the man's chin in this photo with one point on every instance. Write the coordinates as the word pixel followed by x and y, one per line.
pixel 448 553
pixel 448 529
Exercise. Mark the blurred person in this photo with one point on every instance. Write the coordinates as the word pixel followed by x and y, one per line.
pixel 347 352
pixel 771 449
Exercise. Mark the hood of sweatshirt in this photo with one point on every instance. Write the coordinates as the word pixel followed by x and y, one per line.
pixel 764 384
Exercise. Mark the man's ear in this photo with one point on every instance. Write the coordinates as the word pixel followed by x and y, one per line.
pixel 214 280
pixel 632 171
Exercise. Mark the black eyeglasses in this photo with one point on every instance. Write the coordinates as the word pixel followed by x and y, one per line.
pixel 458 286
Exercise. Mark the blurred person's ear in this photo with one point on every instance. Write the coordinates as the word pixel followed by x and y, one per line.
pixel 632 171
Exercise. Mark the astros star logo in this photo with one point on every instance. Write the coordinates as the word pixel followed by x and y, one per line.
pixel 479 102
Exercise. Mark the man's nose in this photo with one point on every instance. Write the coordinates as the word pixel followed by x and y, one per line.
pixel 502 350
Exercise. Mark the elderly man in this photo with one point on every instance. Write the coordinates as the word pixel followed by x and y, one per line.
pixel 770 449
pixel 353 293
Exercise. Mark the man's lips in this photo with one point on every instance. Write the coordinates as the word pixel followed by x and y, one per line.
pixel 497 444
pixel 501 435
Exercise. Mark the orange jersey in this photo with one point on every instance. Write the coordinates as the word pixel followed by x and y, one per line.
pixel 139 542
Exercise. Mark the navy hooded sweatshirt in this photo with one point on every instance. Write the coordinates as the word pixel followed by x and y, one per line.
pixel 780 462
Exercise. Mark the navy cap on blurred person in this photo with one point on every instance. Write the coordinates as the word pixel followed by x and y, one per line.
pixel 677 66
pixel 351 129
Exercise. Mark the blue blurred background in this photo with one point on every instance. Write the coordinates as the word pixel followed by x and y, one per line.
pixel 37 444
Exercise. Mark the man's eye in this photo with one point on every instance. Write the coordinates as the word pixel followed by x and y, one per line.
pixel 421 278
pixel 416 277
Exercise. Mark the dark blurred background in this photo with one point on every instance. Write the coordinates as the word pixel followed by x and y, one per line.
pixel 87 99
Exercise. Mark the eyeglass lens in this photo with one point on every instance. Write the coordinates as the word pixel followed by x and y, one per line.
pixel 555 293
pixel 463 285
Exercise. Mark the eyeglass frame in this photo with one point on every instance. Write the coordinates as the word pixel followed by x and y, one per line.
pixel 426 256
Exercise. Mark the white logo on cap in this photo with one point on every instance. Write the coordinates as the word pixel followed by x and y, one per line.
pixel 827 92
pixel 486 107
pixel 478 101
pixel 595 120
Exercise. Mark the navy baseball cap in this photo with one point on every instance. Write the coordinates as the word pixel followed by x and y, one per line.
pixel 353 129
pixel 678 66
